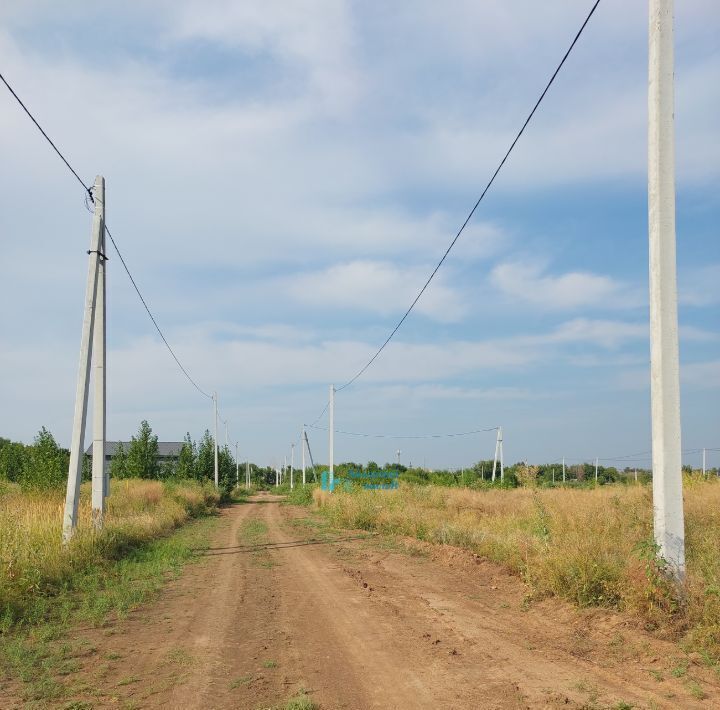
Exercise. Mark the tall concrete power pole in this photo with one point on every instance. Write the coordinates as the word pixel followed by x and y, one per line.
pixel 99 339
pixel 72 495
pixel 664 349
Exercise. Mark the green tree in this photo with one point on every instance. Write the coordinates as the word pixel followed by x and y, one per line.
pixel 186 464
pixel 13 460
pixel 118 463
pixel 206 458
pixel 47 463
pixel 142 457
pixel 226 469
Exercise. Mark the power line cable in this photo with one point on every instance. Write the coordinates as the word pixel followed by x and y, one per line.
pixel 472 211
pixel 392 436
pixel 152 318
pixel 47 137
pixel 88 190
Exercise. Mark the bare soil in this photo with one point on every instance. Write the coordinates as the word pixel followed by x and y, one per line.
pixel 360 621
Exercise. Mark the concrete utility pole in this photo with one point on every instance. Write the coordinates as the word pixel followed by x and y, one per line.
pixel 563 469
pixel 302 449
pixel 596 469
pixel 704 468
pixel 664 349
pixel 99 467
pixel 72 495
pixel 247 473
pixel 237 466
pixel 226 433
pixel 217 471
pixel 398 452
pixel 502 455
pixel 331 439
pixel 292 466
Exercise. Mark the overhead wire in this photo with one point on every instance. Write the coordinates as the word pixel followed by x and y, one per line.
pixel 47 137
pixel 477 203
pixel 394 436
pixel 89 193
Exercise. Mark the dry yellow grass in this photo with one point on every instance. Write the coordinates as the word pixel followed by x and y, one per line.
pixel 33 561
pixel 592 546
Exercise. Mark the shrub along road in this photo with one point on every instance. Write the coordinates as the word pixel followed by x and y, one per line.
pixel 282 607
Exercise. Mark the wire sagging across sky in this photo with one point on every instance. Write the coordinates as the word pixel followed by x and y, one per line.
pixel 88 190
pixel 394 436
pixel 477 203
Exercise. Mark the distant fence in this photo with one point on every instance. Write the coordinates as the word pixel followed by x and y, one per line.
pixel 370 480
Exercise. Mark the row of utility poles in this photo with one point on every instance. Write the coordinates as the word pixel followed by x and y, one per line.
pixel 282 471
pixel 664 350
pixel 498 459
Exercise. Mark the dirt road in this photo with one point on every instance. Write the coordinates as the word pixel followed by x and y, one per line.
pixel 281 605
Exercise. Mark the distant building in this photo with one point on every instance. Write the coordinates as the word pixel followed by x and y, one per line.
pixel 167 450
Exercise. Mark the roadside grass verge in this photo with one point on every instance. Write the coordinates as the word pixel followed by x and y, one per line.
pixel 591 546
pixel 38 576
pixel 43 662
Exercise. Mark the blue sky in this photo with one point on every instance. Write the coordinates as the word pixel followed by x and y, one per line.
pixel 282 177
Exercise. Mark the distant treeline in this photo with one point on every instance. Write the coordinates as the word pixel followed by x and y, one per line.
pixel 518 474
pixel 44 464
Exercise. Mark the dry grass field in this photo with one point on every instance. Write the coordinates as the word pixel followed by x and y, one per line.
pixel 35 567
pixel 591 546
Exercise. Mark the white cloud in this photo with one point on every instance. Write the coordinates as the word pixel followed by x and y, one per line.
pixel 529 283
pixel 306 134
pixel 378 287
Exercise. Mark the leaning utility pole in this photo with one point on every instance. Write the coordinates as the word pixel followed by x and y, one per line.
pixel 72 496
pixel 331 438
pixel 664 349
pixel 302 450
pixel 217 473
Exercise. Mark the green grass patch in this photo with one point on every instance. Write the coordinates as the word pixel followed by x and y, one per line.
pixel 300 495
pixel 253 531
pixel 36 656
